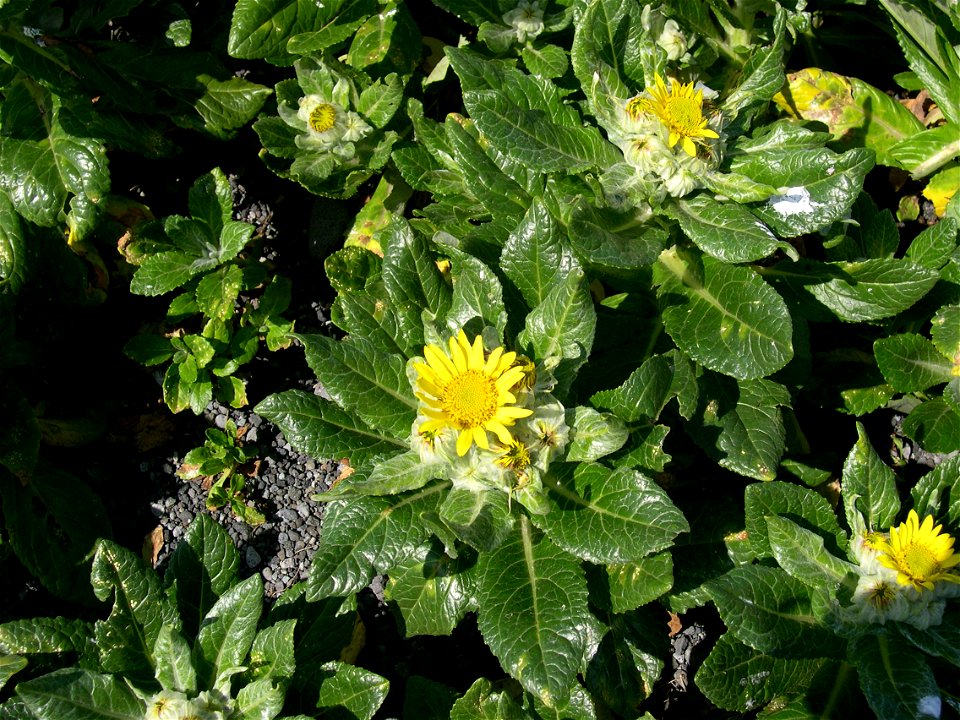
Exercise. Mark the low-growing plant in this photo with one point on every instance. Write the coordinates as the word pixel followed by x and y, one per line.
pixel 814 608
pixel 198 643
pixel 208 340
pixel 219 461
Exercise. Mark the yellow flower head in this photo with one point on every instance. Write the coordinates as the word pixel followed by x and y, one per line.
pixel 469 391
pixel 680 109
pixel 919 553
pixel 322 117
pixel 515 457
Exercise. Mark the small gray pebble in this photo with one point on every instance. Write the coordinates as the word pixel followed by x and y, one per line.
pixel 252 557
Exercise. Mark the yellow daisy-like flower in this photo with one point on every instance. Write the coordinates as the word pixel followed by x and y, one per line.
pixel 469 391
pixel 680 109
pixel 919 553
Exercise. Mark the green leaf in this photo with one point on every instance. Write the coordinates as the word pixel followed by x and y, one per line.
pixel 409 271
pixel 928 150
pixel 648 389
pixel 869 487
pixel 263 29
pixel 392 327
pixel 802 554
pixel 432 591
pixel 318 428
pixel 482 702
pixel 945 333
pixel 895 677
pixel 390 476
pixel 44 635
pixel 548 61
pixel 935 425
pixel 364 381
pixel 228 105
pixel 479 516
pixel 818 185
pixel 10 665
pixel 762 74
pixel 727 231
pixel 174 666
pixel 858 291
pixel 938 487
pixel 771 612
pixel 359 692
pixel 622 672
pixel 637 583
pixel 13 267
pixel 428 700
pixel 260 700
pixel 798 504
pixel 614 242
pixel 366 535
pixel 126 639
pixel 533 612
pixel 609 516
pixel 389 36
pixel 227 632
pixel 562 326
pixel 932 248
pixel 379 102
pixel 723 316
pixel 594 435
pixel 217 292
pixel 910 362
pixel 534 258
pixel 203 567
pixel 272 655
pixel 736 677
pixel 476 293
pixel 77 694
pixel 48 535
pixel 752 436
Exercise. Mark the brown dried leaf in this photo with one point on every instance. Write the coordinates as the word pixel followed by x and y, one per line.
pixel 674 624
pixel 152 545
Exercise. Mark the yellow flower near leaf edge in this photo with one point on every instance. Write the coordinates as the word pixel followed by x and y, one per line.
pixel 919 553
pixel 680 109
pixel 468 390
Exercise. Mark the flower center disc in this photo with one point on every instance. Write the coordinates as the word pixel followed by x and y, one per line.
pixel 470 399
pixel 322 117
pixel 683 115
pixel 920 562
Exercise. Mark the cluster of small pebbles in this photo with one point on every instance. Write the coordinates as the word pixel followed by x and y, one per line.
pixel 281 548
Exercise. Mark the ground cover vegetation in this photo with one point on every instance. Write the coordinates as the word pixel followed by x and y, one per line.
pixel 642 361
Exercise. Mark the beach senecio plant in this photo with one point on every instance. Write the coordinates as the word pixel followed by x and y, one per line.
pixel 919 553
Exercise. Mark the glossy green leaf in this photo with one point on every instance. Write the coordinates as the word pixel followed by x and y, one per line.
pixel 318 428
pixel 272 655
pixel 228 105
pixel 533 612
pixel 479 516
pixel 126 639
pixel 259 700
pixel 762 74
pixel 786 500
pixel 723 316
pixel 869 486
pixel 932 247
pixel 613 241
pixel 941 640
pixel 44 635
pixel 609 516
pixel 639 582
pixel 476 294
pixel 217 292
pixel 736 677
pixel 358 691
pixel 819 186
pixel 534 258
pixel 595 434
pixel 227 632
pixel 10 665
pixel 622 672
pixel 13 268
pixel 548 61
pixel 938 493
pixel 203 566
pixel 927 151
pixel 935 425
pixel 945 333
pixel 432 591
pixel 364 381
pixel 727 231
pixel 802 554
pixel 482 702
pixel 173 663
pixel 648 389
pixel 388 35
pixel 910 362
pixel 752 435
pixel 393 327
pixel 562 326
pixel 772 612
pixel 895 677
pixel 77 694
pixel 409 270
pixel 390 476
pixel 365 535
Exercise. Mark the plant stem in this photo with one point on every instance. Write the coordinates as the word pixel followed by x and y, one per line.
pixel 842 672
